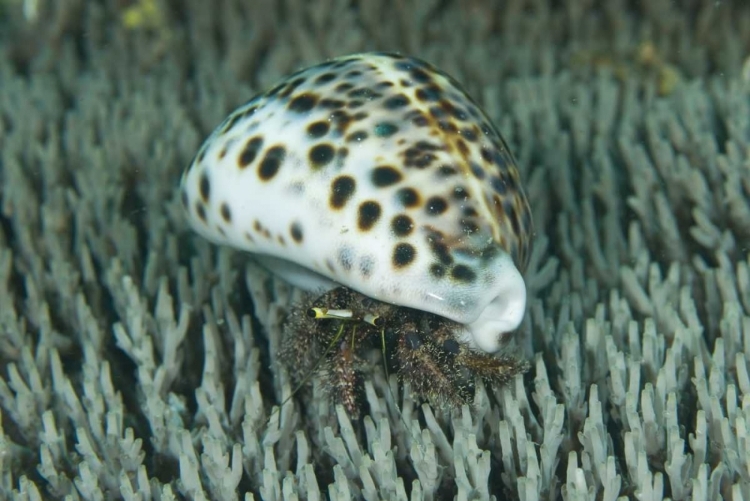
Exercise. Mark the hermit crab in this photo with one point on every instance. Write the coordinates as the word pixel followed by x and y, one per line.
pixel 375 183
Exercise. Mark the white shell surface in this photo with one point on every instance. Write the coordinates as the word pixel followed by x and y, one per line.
pixel 375 171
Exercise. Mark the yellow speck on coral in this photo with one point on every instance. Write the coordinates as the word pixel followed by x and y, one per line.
pixel 647 55
pixel 143 14
pixel 746 70
pixel 668 79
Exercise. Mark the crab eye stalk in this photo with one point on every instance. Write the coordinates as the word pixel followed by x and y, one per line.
pixel 374 320
pixel 325 313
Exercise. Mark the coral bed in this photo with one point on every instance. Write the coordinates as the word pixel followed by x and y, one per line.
pixel 139 362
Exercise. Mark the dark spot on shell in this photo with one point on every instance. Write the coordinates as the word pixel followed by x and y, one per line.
pixel 271 163
pixel 440 251
pixel 357 103
pixel 342 63
pixel 436 206
pixel 396 102
pixel 469 134
pixel 429 93
pixel 402 225
pixel 385 175
pixel 317 129
pixel 226 214
pixel 499 185
pixel 276 89
pixel 469 226
pixel 357 136
pixel 201 211
pixel 332 104
pixel 296 231
pixel 201 155
pixel 420 154
pixel 292 85
pixel 447 127
pixel 408 197
pixel 459 114
pixel 303 103
pixel 420 162
pixel 385 129
pixel 460 193
pixel 231 122
pixel 420 75
pixel 346 258
pixel 446 171
pixel 321 155
pixel 420 120
pixel 205 187
pixel 489 252
pixel 341 154
pixel 369 213
pixel 405 64
pixel 250 151
pixel 325 78
pixel 403 255
pixel 342 190
pixel 462 273
pixel 366 265
pixel 344 87
pixel 486 154
pixel 364 93
pixel 437 113
pixel 477 170
pixel 512 214
pixel 250 111
pixel 259 228
pixel 341 120
pixel 437 270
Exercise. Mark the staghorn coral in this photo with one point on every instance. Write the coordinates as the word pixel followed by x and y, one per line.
pixel 138 362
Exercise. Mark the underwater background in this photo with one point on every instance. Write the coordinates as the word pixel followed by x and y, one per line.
pixel 139 362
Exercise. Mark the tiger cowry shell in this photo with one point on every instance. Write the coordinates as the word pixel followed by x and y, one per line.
pixel 375 171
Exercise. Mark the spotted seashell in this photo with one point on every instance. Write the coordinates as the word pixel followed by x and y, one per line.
pixel 378 172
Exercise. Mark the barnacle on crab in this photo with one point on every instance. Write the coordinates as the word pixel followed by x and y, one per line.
pixel 378 173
